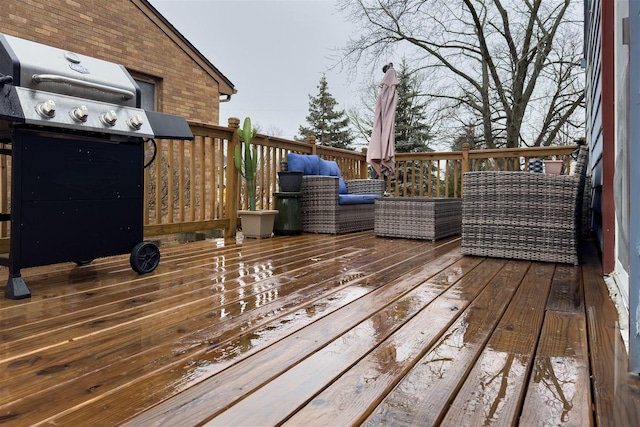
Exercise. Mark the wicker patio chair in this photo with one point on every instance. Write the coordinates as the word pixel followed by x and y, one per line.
pixel 322 212
pixel 524 215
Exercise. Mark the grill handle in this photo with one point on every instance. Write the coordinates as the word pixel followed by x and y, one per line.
pixel 52 78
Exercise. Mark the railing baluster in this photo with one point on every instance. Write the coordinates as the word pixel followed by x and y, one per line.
pixel 170 182
pixel 158 185
pixel 201 204
pixel 181 186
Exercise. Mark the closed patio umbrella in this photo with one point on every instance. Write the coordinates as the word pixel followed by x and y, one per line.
pixel 381 152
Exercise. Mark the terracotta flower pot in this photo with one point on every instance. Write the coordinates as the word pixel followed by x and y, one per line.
pixel 257 224
pixel 553 166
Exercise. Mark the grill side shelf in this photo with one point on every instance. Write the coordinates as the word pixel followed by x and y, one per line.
pixel 10 107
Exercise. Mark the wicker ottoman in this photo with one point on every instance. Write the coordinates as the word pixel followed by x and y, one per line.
pixel 417 218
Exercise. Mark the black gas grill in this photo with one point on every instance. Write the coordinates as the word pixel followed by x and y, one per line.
pixel 76 136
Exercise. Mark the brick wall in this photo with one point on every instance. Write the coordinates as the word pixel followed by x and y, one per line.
pixel 119 31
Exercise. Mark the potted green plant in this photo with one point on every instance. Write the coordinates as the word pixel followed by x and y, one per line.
pixel 255 223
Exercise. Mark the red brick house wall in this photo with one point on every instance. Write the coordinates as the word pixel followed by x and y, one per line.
pixel 131 33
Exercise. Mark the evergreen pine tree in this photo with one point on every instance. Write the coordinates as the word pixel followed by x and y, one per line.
pixel 412 131
pixel 329 125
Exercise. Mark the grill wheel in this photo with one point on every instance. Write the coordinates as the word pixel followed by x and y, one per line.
pixel 145 257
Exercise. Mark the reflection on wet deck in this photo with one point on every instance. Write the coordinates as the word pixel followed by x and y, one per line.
pixel 316 330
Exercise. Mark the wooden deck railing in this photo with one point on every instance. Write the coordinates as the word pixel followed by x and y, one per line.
pixel 194 186
pixel 439 174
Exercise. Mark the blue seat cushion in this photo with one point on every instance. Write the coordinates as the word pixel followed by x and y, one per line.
pixel 311 164
pixel 330 168
pixel 308 164
pixel 357 199
pixel 342 187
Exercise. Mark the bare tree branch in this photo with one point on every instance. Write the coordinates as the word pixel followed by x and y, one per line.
pixel 508 66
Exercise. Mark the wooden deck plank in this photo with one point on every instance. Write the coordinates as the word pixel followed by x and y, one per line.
pixel 424 393
pixel 198 403
pixel 144 288
pixel 58 371
pixel 356 392
pixel 112 291
pixel 126 305
pixel 274 401
pixel 48 288
pixel 566 291
pixel 616 392
pixel 268 328
pixel 559 391
pixel 210 361
pixel 492 393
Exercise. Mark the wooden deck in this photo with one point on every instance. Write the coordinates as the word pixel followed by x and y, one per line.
pixel 316 330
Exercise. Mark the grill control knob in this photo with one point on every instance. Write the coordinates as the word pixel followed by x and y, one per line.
pixel 80 113
pixel 47 108
pixel 109 118
pixel 135 122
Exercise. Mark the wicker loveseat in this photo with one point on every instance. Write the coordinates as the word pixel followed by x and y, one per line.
pixel 524 215
pixel 330 204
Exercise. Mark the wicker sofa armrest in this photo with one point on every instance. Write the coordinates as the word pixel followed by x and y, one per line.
pixel 365 186
pixel 320 189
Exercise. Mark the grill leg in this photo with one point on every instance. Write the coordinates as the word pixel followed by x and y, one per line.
pixel 16 288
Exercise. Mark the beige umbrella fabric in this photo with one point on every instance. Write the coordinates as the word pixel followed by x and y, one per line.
pixel 381 152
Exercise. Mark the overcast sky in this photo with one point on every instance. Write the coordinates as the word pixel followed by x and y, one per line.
pixel 273 51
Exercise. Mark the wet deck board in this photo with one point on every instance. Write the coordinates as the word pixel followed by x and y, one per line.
pixel 616 393
pixel 559 387
pixel 238 380
pixel 353 329
pixel 424 393
pixel 364 375
pixel 125 337
pixel 566 292
pixel 492 393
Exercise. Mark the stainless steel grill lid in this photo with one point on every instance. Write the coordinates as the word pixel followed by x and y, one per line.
pixel 47 86
pixel 46 68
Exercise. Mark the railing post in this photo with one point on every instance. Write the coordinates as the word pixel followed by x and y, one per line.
pixel 233 180
pixel 364 168
pixel 464 166
pixel 311 140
